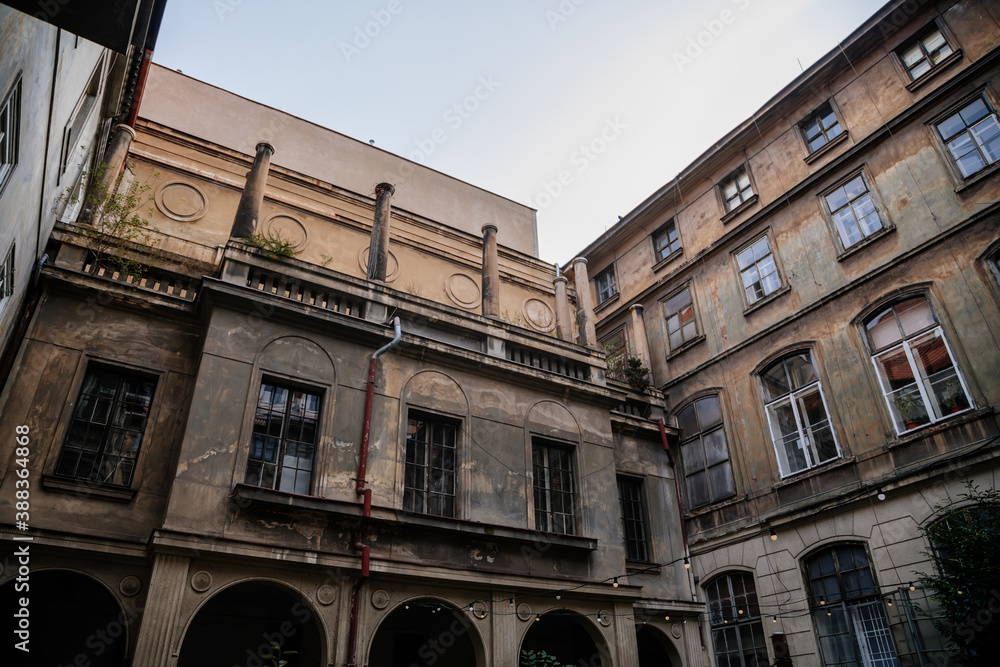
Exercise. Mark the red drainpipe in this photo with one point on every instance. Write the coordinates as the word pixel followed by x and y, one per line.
pixel 362 490
pixel 140 86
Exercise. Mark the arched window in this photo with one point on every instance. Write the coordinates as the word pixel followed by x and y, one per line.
pixel 916 369
pixel 797 415
pixel 708 472
pixel 851 623
pixel 737 634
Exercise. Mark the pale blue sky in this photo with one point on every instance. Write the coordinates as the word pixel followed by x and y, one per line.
pixel 534 83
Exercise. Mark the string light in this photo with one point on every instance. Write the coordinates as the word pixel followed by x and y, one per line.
pixel 558 597
pixel 889 602
pixel 666 618
pixel 912 587
pixel 880 494
pixel 537 618
pixel 822 601
pixel 741 611
pixel 959 592
pixel 774 619
pixel 687 563
pixel 774 535
pixel 615 582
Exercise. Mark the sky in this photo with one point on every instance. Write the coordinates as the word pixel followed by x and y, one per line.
pixel 578 108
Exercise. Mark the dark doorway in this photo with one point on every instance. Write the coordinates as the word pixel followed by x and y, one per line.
pixel 652 652
pixel 560 634
pixel 237 626
pixel 423 632
pixel 71 619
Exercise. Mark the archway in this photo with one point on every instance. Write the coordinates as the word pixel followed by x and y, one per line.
pixel 654 648
pixel 425 632
pixel 563 635
pixel 238 624
pixel 71 619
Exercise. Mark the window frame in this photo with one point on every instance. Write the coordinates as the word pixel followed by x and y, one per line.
pixel 993 110
pixel 77 121
pixel 685 440
pixel 782 285
pixel 665 229
pixel 8 274
pixel 122 374
pixel 612 285
pixel 721 624
pixel 278 382
pixel 817 116
pixel 897 408
pixel 885 223
pixel 545 446
pixel 733 177
pixel 433 418
pixel 698 334
pixel 917 39
pixel 791 398
pixel 10 131
pixel 617 372
pixel 639 543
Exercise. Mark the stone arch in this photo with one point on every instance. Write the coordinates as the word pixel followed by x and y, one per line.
pixel 655 648
pixel 426 630
pixel 573 638
pixel 236 623
pixel 298 357
pixel 553 419
pixel 437 391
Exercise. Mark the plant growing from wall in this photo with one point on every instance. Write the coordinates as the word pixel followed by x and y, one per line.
pixel 273 243
pixel 636 374
pixel 117 217
pixel 276 656
pixel 540 659
pixel 966 585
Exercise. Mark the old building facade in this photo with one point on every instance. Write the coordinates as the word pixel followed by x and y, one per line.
pixel 817 296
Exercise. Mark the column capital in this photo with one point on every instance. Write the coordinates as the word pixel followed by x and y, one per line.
pixel 578 260
pixel 636 307
pixel 128 129
pixel 560 279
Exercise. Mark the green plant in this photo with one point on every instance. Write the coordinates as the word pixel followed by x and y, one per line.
pixel 636 374
pixel 326 260
pixel 909 405
pixel 277 660
pixel 952 396
pixel 540 659
pixel 273 243
pixel 116 222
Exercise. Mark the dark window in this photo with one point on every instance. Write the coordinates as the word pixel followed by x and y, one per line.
pixel 616 351
pixel 851 623
pixel 108 423
pixel 797 415
pixel 7 274
pixel 972 136
pixel 916 370
pixel 737 633
pixel 630 495
pixel 605 282
pixel 681 325
pixel 758 270
pixel 431 453
pixel 74 126
pixel 853 211
pixel 665 241
pixel 708 471
pixel 736 189
pixel 923 55
pixel 10 132
pixel 554 488
pixel 284 438
pixel 821 128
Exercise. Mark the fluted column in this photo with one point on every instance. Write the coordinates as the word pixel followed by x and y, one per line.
pixel 491 272
pixel 114 158
pixel 161 628
pixel 253 193
pixel 564 327
pixel 378 250
pixel 584 303
pixel 640 342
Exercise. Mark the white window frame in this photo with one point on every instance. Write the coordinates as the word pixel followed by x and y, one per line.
pixel 669 315
pixel 872 197
pixel 926 56
pixel 664 232
pixel 733 179
pixel 609 290
pixel 817 117
pixel 968 130
pixel 10 132
pixel 740 271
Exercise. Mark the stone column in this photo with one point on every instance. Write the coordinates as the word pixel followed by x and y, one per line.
pixel 161 629
pixel 564 327
pixel 584 303
pixel 253 193
pixel 378 250
pixel 114 158
pixel 640 342
pixel 491 272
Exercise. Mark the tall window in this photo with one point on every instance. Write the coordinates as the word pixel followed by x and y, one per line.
pixel 283 443
pixel 916 370
pixel 736 190
pixel 758 270
pixel 78 119
pixel 972 136
pixel 923 55
pixel 7 275
pixel 681 325
pixel 666 241
pixel 10 132
pixel 851 623
pixel 605 282
pixel 431 455
pixel 821 128
pixel 554 487
pixel 796 414
pixel 616 351
pixel 737 633
pixel 853 211
pixel 108 423
pixel 708 472
pixel 633 504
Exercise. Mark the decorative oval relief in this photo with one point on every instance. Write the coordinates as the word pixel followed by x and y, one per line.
pixel 479 609
pixel 181 201
pixel 676 631
pixel 604 617
pixel 326 594
pixel 524 611
pixel 129 585
pixel 201 581
pixel 462 289
pixel 380 599
pixel 538 315
pixel 287 228
pixel 392 271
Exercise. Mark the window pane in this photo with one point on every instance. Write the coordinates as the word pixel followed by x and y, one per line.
pixel 883 329
pixel 914 315
pixel 709 412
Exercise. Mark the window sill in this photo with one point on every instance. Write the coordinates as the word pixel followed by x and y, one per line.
pixel 826 148
pixel 781 291
pixel 795 477
pixel 82 489
pixel 963 417
pixel 694 512
pixel 740 209
pixel 687 345
pixel 983 173
pixel 642 567
pixel 933 73
pixel 614 298
pixel 865 242
pixel 669 259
